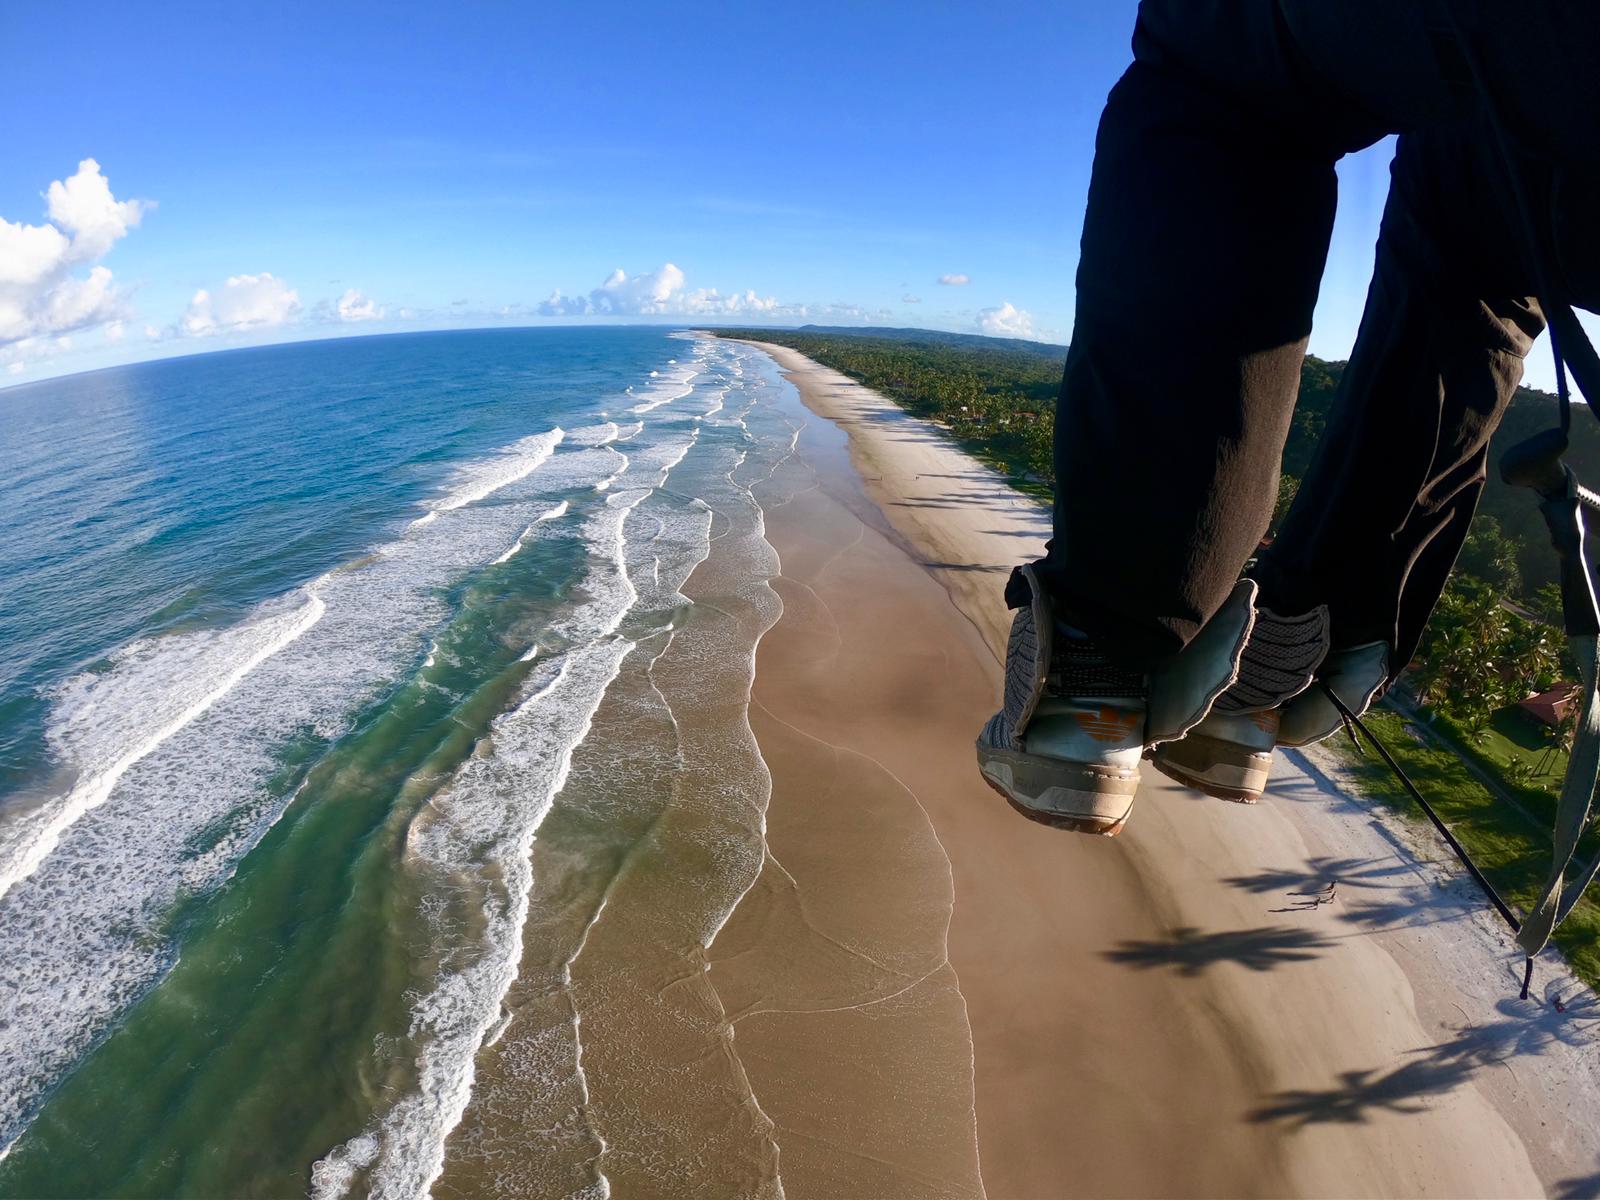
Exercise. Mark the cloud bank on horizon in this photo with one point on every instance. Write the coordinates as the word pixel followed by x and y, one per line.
pixel 53 288
pixel 243 302
pixel 656 293
pixel 842 180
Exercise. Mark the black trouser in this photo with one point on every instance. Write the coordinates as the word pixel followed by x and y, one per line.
pixel 1209 213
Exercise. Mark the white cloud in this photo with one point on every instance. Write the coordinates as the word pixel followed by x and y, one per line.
pixel 954 280
pixel 563 306
pixel 656 293
pixel 78 304
pixel 243 302
pixel 39 294
pixel 84 206
pixel 908 298
pixel 649 293
pixel 1006 321
pixel 353 306
pixel 709 300
pixel 30 253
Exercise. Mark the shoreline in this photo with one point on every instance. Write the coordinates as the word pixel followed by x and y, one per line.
pixel 1200 1045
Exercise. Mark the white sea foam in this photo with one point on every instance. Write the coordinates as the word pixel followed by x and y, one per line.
pixel 106 722
pixel 486 819
pixel 658 526
pixel 81 931
pixel 676 387
pixel 482 479
pixel 172 747
pixel 485 822
pixel 593 435
pixel 511 551
pixel 622 466
pixel 549 514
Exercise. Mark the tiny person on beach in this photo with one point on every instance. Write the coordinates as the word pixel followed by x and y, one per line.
pixel 1152 627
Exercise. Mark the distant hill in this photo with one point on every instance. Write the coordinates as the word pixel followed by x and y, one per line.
pixel 937 337
pixel 1513 509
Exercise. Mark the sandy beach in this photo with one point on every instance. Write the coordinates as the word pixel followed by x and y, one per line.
pixel 931 996
pixel 783 941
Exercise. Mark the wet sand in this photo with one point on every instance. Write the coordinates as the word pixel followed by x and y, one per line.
pixel 1158 1014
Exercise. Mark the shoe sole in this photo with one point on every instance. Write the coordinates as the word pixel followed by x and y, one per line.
pixel 1222 769
pixel 1074 806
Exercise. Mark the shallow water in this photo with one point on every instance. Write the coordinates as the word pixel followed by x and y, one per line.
pixel 300 646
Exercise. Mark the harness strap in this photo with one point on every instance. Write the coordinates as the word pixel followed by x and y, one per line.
pixel 1537 463
pixel 1563 513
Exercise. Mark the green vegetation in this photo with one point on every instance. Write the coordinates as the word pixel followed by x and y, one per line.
pixel 1493 640
pixel 997 397
pixel 1511 848
pixel 1477 655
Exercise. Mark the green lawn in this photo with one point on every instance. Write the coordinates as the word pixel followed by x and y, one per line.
pixel 1513 737
pixel 1512 851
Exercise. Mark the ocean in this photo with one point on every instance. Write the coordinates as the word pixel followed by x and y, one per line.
pixel 341 685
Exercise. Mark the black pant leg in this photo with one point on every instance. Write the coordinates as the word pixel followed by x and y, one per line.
pixel 1210 208
pixel 1381 515
pixel 1207 225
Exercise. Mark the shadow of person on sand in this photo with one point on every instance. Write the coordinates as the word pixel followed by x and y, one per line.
pixel 1374 893
pixel 1525 1029
pixel 1190 952
pixel 1347 872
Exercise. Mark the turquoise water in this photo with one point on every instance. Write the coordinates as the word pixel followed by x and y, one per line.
pixel 296 645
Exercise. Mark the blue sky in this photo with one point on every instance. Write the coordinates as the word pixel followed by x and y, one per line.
pixel 312 170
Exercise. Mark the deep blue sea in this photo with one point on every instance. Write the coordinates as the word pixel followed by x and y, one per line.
pixel 296 645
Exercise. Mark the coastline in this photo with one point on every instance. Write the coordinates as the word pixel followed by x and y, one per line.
pixel 1154 1014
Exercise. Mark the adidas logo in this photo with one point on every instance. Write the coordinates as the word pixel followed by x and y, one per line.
pixel 1109 724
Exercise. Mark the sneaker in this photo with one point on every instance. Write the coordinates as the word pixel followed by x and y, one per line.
pixel 1065 748
pixel 1229 753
